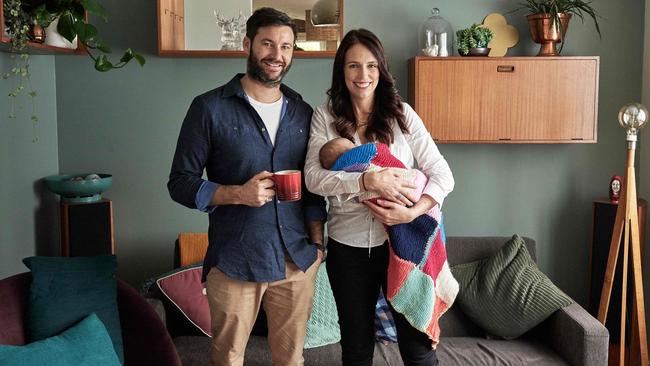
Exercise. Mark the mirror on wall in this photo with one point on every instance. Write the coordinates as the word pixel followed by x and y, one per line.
pixel 216 28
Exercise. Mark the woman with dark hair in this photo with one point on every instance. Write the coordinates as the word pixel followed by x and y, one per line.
pixel 363 106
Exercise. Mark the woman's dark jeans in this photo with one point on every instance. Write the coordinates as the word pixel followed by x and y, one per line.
pixel 356 275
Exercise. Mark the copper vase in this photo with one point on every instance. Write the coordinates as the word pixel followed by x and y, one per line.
pixel 37 33
pixel 544 31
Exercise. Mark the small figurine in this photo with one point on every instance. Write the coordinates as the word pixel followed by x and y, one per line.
pixel 615 188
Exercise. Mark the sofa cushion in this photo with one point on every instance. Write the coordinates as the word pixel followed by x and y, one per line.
pixel 506 294
pixel 66 290
pixel 322 326
pixel 85 343
pixel 385 330
pixel 462 351
pixel 183 288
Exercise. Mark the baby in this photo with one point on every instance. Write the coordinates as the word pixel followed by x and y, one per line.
pixel 341 154
pixel 420 283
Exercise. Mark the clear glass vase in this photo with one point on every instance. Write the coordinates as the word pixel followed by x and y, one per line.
pixel 436 37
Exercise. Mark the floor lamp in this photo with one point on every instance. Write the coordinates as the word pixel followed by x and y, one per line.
pixel 631 117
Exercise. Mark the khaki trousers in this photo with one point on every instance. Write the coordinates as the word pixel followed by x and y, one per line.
pixel 234 305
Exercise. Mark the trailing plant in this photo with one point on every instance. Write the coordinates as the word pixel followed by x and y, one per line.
pixel 19 15
pixel 554 8
pixel 18 23
pixel 472 37
pixel 72 24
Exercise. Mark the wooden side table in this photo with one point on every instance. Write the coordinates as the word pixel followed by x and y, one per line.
pixel 87 229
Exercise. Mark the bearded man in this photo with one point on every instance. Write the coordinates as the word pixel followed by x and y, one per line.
pixel 261 251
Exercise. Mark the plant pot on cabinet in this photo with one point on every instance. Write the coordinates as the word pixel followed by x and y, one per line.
pixel 544 31
pixel 476 51
pixel 53 38
pixel 479 51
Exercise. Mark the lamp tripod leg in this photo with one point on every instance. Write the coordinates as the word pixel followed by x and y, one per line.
pixel 638 344
pixel 626 254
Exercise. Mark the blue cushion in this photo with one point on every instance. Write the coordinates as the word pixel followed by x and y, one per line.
pixel 86 343
pixel 66 290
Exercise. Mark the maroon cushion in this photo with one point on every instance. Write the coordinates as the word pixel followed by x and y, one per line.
pixel 185 290
pixel 13 303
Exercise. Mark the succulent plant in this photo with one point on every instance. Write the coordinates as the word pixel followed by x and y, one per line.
pixel 472 37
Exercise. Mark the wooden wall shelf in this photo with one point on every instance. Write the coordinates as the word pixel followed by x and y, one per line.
pixel 504 100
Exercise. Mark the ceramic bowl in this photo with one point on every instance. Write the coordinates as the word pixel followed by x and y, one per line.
pixel 79 188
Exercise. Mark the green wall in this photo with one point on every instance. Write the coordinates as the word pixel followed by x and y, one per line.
pixel 126 123
pixel 28 214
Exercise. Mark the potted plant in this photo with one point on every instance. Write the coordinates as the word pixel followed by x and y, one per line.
pixel 21 15
pixel 549 19
pixel 473 41
pixel 70 16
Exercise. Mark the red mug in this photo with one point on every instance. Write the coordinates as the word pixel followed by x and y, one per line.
pixel 288 185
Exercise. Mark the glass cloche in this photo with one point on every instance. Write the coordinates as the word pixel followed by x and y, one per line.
pixel 436 36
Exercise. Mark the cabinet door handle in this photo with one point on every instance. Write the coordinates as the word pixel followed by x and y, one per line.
pixel 505 68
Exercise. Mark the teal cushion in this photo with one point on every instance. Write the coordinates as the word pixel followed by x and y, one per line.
pixel 506 294
pixel 66 290
pixel 323 323
pixel 86 343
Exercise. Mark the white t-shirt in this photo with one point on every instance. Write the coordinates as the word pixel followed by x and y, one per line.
pixel 270 114
pixel 350 222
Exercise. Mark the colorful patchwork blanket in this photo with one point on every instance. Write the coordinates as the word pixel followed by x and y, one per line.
pixel 420 283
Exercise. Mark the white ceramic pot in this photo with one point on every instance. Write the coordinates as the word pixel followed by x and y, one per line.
pixel 53 38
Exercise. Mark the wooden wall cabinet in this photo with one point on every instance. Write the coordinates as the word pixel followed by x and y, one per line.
pixel 506 100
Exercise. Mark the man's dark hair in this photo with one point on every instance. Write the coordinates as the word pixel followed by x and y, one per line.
pixel 264 17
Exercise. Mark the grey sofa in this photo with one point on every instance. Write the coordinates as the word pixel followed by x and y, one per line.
pixel 571 336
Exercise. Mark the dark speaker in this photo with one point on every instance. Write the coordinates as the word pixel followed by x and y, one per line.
pixel 87 229
pixel 604 214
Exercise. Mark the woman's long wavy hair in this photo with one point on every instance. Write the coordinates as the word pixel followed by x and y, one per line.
pixel 387 108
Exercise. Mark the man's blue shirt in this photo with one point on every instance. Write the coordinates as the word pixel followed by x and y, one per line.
pixel 223 134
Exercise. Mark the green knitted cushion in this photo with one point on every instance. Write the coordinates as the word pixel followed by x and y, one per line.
pixel 323 324
pixel 506 294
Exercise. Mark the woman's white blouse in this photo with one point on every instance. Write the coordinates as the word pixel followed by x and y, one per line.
pixel 350 222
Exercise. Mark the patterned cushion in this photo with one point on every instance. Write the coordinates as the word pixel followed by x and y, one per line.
pixel 385 331
pixel 506 294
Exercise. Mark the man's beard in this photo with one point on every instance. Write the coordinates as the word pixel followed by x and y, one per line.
pixel 255 70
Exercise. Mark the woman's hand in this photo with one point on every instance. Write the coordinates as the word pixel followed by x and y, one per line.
pixel 391 213
pixel 388 183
